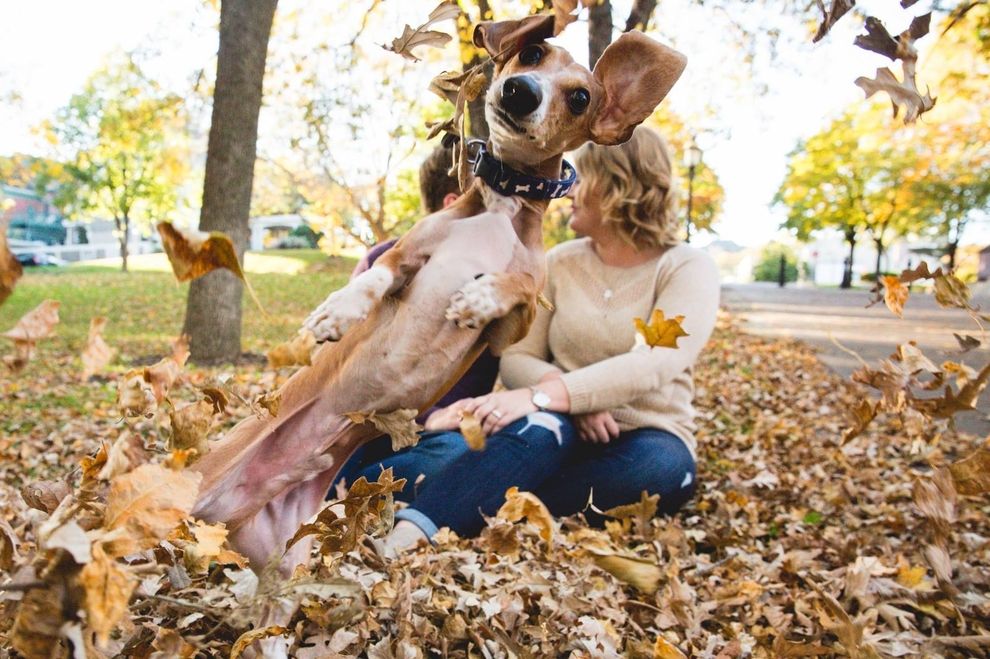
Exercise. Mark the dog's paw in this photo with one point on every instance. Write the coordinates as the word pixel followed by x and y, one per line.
pixel 338 313
pixel 476 304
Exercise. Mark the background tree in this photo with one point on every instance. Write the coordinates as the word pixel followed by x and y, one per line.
pixel 213 308
pixel 119 140
pixel 767 267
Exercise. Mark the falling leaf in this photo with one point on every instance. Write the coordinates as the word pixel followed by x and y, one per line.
pixel 207 546
pixel 70 537
pixel 126 454
pixel 270 401
pixel 8 546
pixel 525 505
pixel 217 398
pixel 134 395
pixel 162 376
pixel 902 94
pixel 660 332
pixel 950 291
pixel 895 294
pixel 831 16
pixel 247 638
pixel 862 415
pixel 470 427
pixel 108 588
pixel 421 36
pixel 45 495
pixel 400 425
pixel 877 39
pixel 920 271
pixel 37 324
pixel 291 353
pixel 190 426
pixel 145 504
pixel 966 342
pixel 10 267
pixel 642 574
pixel 40 616
pixel 972 473
pixel 97 354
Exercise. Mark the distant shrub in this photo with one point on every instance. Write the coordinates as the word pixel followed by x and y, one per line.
pixel 767 268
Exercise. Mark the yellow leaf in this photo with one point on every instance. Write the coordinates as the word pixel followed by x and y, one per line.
pixel 270 401
pixel 660 332
pixel 474 436
pixel 291 353
pixel 895 294
pixel 525 505
pixel 400 425
pixel 247 638
pixel 911 577
pixel 190 426
pixel 107 587
pixel 145 504
pixel 971 475
pixel 208 545
pixel 663 649
pixel 862 415
pixel 641 574
pixel 97 354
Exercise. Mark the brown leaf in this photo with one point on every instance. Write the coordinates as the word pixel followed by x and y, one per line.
pixel 190 426
pixel 8 546
pixel 107 587
pixel 145 504
pixel 470 427
pixel 953 402
pixel 642 574
pixel 37 324
pixel 921 271
pixel 831 16
pixel 660 332
pixel 663 649
pixel 194 253
pixel 217 398
pixel 45 495
pixel 950 291
pixel 862 415
pixel 971 474
pixel 126 454
pixel 207 546
pixel 966 342
pixel 291 353
pixel 97 354
pixel 10 267
pixel 249 637
pixel 895 294
pixel 400 425
pixel 134 395
pixel 270 401
pixel 877 39
pixel 525 505
pixel 902 94
pixel 420 36
pixel 162 376
pixel 39 618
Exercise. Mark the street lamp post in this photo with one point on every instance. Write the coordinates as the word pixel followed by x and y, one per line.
pixel 692 160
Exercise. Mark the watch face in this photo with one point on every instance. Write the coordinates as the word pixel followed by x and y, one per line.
pixel 541 399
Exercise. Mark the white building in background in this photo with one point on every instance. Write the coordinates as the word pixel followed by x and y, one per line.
pixel 827 254
pixel 267 230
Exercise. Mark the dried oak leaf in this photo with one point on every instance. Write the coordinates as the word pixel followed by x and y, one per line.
pixel 950 291
pixel 217 398
pixel 134 395
pixel 126 454
pixel 196 253
pixel 400 425
pixel 294 352
pixel 831 16
pixel 205 545
pixel 972 473
pixel 37 324
pixel 270 401
pixel 420 36
pixel 40 616
pixel 144 505
pixel 45 495
pixel 525 505
pixel 191 425
pixel 895 294
pixel 660 332
pixel 921 271
pixel 10 267
pixel 902 94
pixel 107 588
pixel 950 403
pixel 470 427
pixel 966 342
pixel 642 574
pixel 862 415
pixel 249 637
pixel 97 354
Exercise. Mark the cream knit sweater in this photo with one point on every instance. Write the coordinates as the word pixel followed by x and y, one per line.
pixel 590 334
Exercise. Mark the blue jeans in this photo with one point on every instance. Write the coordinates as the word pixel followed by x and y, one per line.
pixel 428 458
pixel 542 453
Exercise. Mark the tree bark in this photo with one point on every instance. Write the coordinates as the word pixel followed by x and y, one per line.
pixel 879 245
pixel 639 15
pixel 124 230
pixel 953 247
pixel 213 309
pixel 847 272
pixel 599 30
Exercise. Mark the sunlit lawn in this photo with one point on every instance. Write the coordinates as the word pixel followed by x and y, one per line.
pixel 146 306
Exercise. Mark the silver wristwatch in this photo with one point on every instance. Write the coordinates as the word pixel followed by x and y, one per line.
pixel 540 398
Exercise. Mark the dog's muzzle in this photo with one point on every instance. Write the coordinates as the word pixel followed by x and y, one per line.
pixel 521 96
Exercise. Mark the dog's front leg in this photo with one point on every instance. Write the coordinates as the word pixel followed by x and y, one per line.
pixel 351 304
pixel 490 297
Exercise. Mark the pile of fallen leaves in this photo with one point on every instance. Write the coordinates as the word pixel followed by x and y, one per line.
pixel 797 544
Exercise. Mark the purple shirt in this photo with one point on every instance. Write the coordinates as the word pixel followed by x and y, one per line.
pixel 478 380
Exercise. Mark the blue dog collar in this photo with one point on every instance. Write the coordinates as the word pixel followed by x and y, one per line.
pixel 510 183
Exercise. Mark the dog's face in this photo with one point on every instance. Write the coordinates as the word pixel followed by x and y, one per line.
pixel 541 103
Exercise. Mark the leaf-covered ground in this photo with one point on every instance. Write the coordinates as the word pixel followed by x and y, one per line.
pixel 794 546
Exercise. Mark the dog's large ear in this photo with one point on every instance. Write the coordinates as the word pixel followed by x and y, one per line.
pixel 505 38
pixel 636 72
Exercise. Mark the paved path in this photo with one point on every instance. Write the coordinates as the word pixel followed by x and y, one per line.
pixel 817 315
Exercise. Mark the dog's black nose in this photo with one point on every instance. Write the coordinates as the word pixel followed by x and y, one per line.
pixel 521 95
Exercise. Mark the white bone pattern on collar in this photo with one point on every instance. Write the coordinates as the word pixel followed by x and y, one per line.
pixel 511 183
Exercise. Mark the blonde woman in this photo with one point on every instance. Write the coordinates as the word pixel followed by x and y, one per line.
pixel 586 412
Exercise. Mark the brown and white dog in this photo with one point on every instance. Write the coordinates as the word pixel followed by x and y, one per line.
pixel 468 276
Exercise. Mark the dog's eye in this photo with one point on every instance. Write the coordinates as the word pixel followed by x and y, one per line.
pixel 578 100
pixel 531 55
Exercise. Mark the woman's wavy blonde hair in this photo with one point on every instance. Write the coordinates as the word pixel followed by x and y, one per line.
pixel 636 183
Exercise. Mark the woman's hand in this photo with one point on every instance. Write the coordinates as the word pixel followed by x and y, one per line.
pixel 446 418
pixel 497 410
pixel 597 427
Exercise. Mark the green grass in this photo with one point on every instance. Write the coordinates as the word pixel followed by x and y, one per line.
pixel 146 306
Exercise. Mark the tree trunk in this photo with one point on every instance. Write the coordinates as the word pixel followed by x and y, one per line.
pixel 599 30
pixel 639 15
pixel 953 247
pixel 879 245
pixel 213 310
pixel 477 124
pixel 124 231
pixel 847 271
